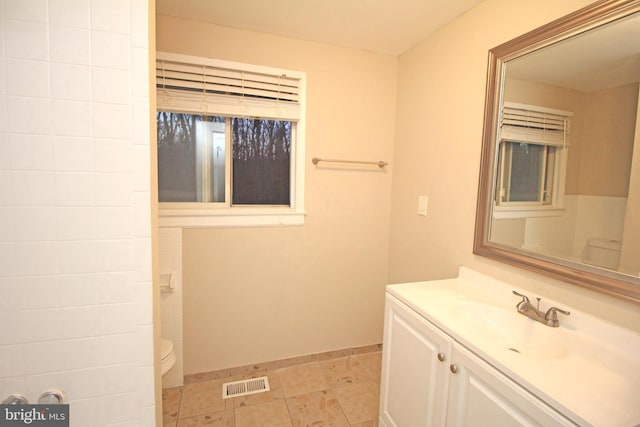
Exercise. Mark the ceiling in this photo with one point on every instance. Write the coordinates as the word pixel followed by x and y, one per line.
pixel 382 26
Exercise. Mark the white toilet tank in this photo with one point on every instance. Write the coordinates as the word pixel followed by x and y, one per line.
pixel 603 252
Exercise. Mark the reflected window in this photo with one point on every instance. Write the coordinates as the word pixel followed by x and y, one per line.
pixel 531 157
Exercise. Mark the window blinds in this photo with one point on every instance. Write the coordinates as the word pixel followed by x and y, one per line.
pixel 214 87
pixel 534 125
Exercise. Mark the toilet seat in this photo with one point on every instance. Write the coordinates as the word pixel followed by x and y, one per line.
pixel 167 355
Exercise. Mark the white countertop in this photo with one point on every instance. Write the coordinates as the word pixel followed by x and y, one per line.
pixel 587 368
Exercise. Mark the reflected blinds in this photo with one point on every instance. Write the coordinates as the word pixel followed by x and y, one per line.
pixel 534 125
pixel 214 87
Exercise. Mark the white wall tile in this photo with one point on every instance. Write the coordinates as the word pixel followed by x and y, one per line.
pixel 111 121
pixel 86 382
pixel 6 193
pixel 75 223
pixel 30 188
pixel 89 412
pixel 128 405
pixel 74 189
pixel 72 154
pixel 111 15
pixel 114 155
pixel 110 85
pixel 71 118
pixel 74 13
pixel 143 259
pixel 7 260
pixel 76 256
pixel 29 40
pixel 79 289
pixel 71 82
pixel 5 156
pixel 38 325
pixel 117 318
pixel 28 115
pixel 120 379
pixel 33 223
pixel 35 258
pixel 70 45
pixel 31 152
pixel 6 224
pixel 110 50
pixel 144 342
pixel 3 71
pixel 25 77
pixel 114 223
pixel 142 171
pixel 140 72
pixel 81 354
pixel 79 322
pixel 140 31
pixel 115 255
pixel 119 349
pixel 142 228
pixel 4 125
pixel 26 10
pixel 141 124
pixel 44 357
pixel 116 287
pixel 113 189
pixel 37 292
pixel 11 360
pixel 144 315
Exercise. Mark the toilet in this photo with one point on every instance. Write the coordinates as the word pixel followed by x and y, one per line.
pixel 167 354
pixel 603 252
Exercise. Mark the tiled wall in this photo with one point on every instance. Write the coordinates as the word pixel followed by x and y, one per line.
pixel 75 238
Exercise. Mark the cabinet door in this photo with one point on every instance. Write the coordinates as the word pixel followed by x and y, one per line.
pixel 480 395
pixel 414 380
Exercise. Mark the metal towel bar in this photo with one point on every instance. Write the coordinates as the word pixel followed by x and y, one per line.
pixel 380 164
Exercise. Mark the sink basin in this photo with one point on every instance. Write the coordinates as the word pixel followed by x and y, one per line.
pixel 511 330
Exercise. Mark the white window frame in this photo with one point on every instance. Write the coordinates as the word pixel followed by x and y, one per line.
pixel 559 139
pixel 225 215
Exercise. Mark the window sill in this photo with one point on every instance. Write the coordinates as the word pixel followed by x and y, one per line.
pixel 233 217
pixel 513 212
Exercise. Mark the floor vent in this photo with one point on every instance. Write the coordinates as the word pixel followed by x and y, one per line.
pixel 244 387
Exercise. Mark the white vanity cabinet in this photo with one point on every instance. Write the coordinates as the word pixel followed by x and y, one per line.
pixel 429 379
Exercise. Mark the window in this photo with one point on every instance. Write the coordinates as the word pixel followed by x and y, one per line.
pixel 531 161
pixel 230 143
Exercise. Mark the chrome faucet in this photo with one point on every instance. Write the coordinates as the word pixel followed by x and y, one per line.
pixel 550 318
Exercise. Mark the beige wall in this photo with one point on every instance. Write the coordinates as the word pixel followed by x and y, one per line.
pixel 441 84
pixel 610 115
pixel 260 294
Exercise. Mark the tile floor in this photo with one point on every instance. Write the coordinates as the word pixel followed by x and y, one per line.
pixel 341 392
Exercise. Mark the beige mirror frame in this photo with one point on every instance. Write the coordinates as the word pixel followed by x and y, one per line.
pixel 600 280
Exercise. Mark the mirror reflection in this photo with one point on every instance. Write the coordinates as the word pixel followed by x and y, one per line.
pixel 567 157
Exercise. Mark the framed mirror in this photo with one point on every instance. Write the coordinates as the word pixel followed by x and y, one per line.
pixel 559 190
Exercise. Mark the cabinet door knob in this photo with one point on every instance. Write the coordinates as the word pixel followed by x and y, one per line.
pixel 453 368
pixel 441 357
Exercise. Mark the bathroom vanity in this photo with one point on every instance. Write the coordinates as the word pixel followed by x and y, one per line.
pixel 457 353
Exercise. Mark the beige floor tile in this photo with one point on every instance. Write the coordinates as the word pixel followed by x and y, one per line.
pixel 372 363
pixel 275 391
pixel 370 423
pixel 219 419
pixel 316 409
pixel 203 398
pixel 271 414
pixel 359 401
pixel 346 370
pixel 171 398
pixel 303 379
